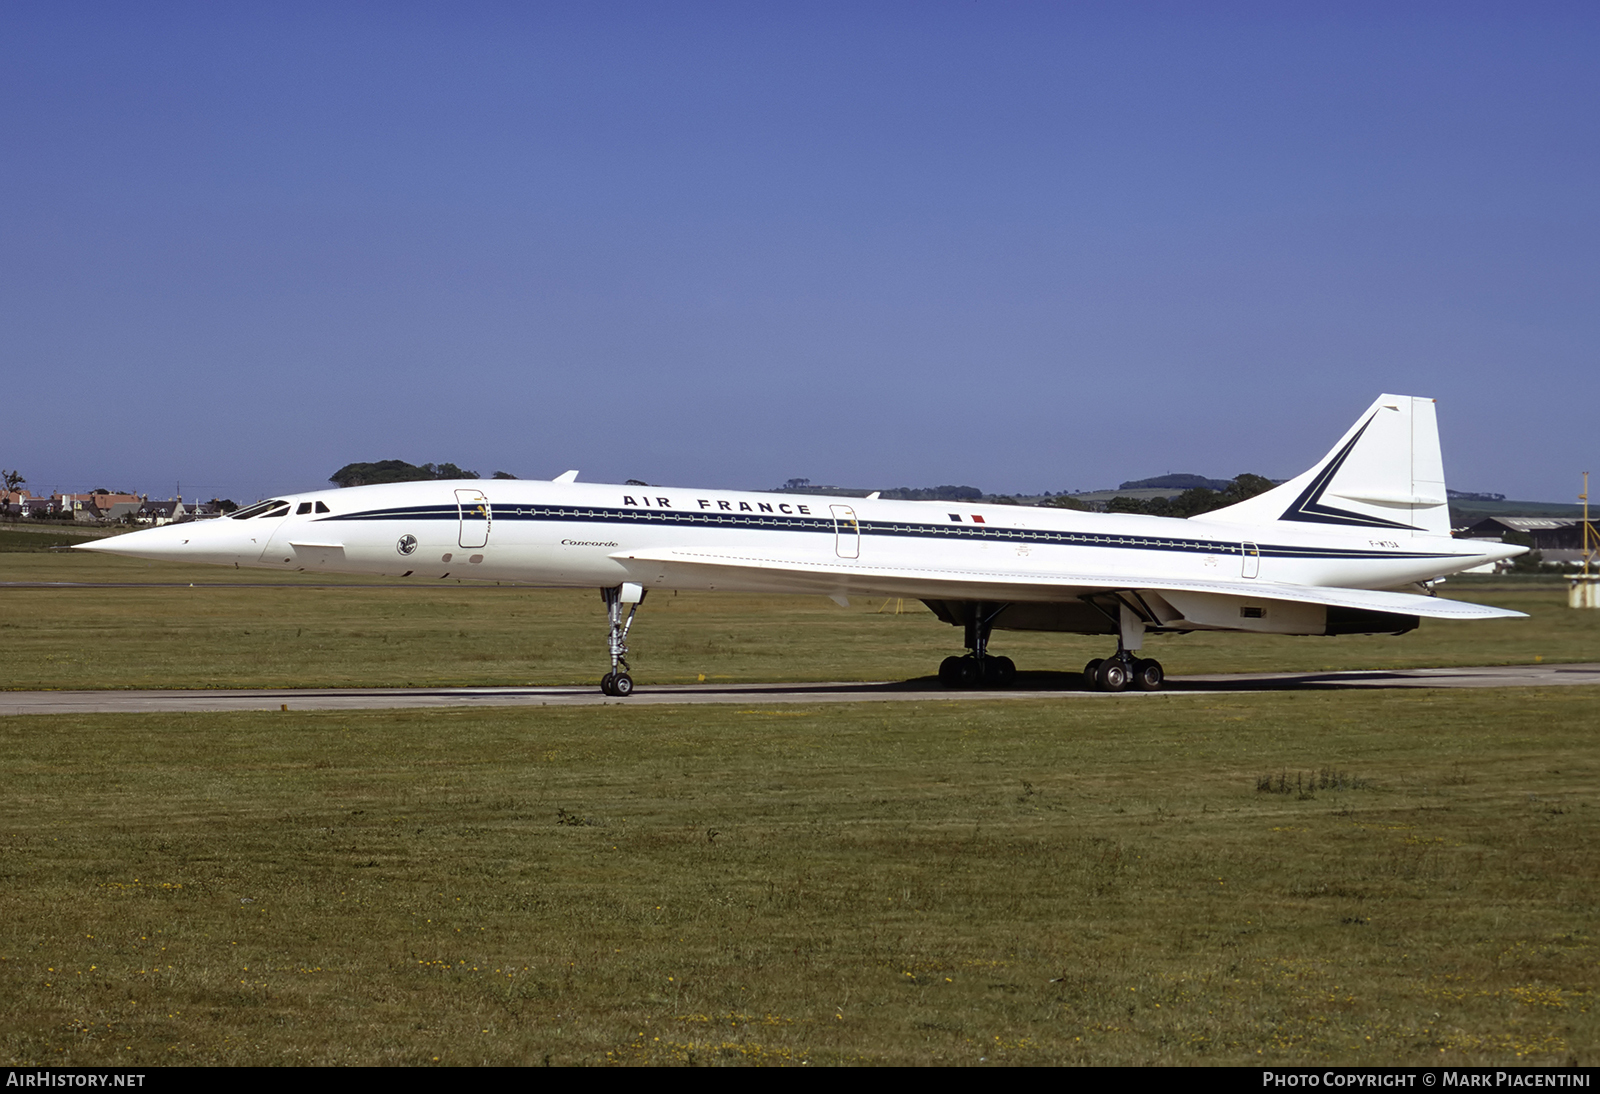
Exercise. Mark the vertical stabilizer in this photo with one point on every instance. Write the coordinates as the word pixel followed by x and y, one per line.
pixel 1385 475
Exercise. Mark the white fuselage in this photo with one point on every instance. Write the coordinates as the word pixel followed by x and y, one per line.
pixel 591 535
pixel 1347 547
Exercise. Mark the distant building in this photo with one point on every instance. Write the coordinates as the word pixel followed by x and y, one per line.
pixel 97 507
pixel 1557 539
pixel 104 507
pixel 110 510
pixel 36 507
pixel 1547 533
pixel 163 512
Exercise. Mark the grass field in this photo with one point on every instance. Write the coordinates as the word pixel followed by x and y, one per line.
pixel 258 628
pixel 1401 878
pixel 30 539
pixel 1374 878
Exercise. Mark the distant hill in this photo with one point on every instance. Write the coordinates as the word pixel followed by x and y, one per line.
pixel 935 493
pixel 898 493
pixel 825 491
pixel 1175 483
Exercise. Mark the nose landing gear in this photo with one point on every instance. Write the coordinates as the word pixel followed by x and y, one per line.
pixel 617 682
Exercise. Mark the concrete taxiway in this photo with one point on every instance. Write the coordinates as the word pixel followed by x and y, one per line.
pixel 1030 685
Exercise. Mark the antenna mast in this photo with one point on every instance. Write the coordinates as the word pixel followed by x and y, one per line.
pixel 1584 591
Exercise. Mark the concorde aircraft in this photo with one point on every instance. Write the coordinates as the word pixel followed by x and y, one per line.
pixel 1350 547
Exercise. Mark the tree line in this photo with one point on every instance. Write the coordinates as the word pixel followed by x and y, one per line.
pixel 1193 502
pixel 381 471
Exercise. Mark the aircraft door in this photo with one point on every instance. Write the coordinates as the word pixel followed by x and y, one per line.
pixel 475 517
pixel 846 532
pixel 1252 559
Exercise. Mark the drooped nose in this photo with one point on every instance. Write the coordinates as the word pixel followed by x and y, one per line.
pixel 208 541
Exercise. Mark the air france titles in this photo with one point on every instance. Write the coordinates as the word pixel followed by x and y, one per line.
pixel 717 505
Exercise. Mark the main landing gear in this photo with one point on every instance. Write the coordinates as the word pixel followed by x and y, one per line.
pixel 1124 669
pixel 1121 671
pixel 977 669
pixel 617 682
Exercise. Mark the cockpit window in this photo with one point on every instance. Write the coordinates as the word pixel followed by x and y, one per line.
pixel 263 509
pixel 302 509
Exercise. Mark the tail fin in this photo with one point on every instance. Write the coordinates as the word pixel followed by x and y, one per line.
pixel 1385 474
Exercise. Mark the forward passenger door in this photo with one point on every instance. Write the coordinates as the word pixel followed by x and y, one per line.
pixel 473 509
pixel 846 532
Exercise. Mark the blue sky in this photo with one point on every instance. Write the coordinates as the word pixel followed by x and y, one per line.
pixel 1020 246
